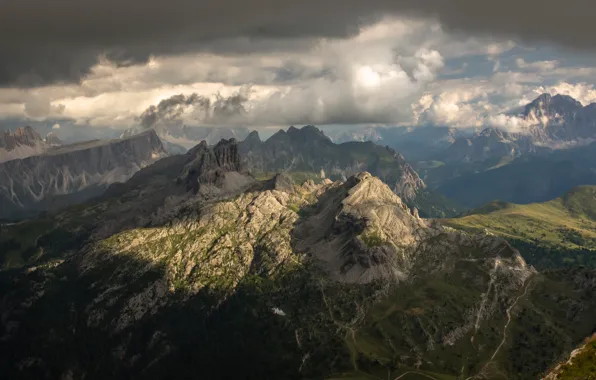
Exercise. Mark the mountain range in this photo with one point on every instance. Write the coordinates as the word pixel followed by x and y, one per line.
pixel 194 265
pixel 71 174
pixel 179 138
pixel 75 173
pixel 25 142
pixel 526 179
pixel 414 143
pixel 551 123
pixel 556 233
pixel 309 153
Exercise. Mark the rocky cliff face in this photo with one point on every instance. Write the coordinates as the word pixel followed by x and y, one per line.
pixel 308 153
pixel 309 150
pixel 24 142
pixel 70 174
pixel 210 165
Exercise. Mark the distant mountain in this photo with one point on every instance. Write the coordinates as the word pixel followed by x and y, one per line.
pixel 488 144
pixel 560 118
pixel 415 143
pixel 72 173
pixel 526 179
pixel 308 151
pixel 178 139
pixel 553 122
pixel 25 142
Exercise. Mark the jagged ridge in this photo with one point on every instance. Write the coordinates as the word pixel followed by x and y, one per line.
pixel 79 171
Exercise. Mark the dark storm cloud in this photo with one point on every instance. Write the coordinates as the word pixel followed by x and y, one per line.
pixel 170 111
pixel 52 41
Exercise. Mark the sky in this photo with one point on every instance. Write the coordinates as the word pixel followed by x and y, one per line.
pixel 94 68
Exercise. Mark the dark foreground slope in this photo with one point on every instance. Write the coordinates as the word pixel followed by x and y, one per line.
pixel 222 277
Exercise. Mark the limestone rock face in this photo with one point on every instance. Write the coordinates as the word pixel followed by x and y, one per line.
pixel 316 263
pixel 363 232
pixel 24 142
pixel 308 149
pixel 208 165
pixel 71 173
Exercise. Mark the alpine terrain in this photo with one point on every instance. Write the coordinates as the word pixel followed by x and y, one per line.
pixel 73 173
pixel 25 142
pixel 195 267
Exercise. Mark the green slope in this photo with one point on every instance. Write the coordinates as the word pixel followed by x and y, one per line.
pixel 566 226
pixel 581 366
pixel 568 221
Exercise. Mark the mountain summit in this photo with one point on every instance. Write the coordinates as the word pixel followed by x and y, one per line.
pixel 24 142
pixel 308 153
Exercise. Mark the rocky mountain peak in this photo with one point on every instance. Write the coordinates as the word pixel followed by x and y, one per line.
pixel 558 106
pixel 21 136
pixel 21 143
pixel 492 132
pixel 253 137
pixel 365 188
pixel 52 139
pixel 307 133
pixel 27 133
pixel 208 165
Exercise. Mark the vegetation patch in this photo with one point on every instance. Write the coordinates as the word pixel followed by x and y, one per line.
pixel 582 365
pixel 373 239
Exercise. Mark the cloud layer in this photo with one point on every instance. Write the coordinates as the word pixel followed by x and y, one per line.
pixel 61 40
pixel 388 71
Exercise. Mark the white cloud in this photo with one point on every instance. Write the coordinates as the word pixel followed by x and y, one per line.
pixel 583 92
pixel 373 77
pixel 508 123
pixel 387 74
pixel 496 49
pixel 537 65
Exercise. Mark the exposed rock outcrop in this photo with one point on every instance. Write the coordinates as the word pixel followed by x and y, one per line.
pixel 328 267
pixel 208 165
pixel 72 173
pixel 25 142
pixel 309 150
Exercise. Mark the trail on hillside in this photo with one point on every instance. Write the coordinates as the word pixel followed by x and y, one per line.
pixel 508 312
pixel 509 319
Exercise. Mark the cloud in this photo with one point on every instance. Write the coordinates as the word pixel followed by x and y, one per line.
pixel 583 92
pixel 40 107
pixel 494 50
pixel 467 109
pixel 513 124
pixel 370 78
pixel 196 109
pixel 537 65
pixel 172 109
pixel 64 38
